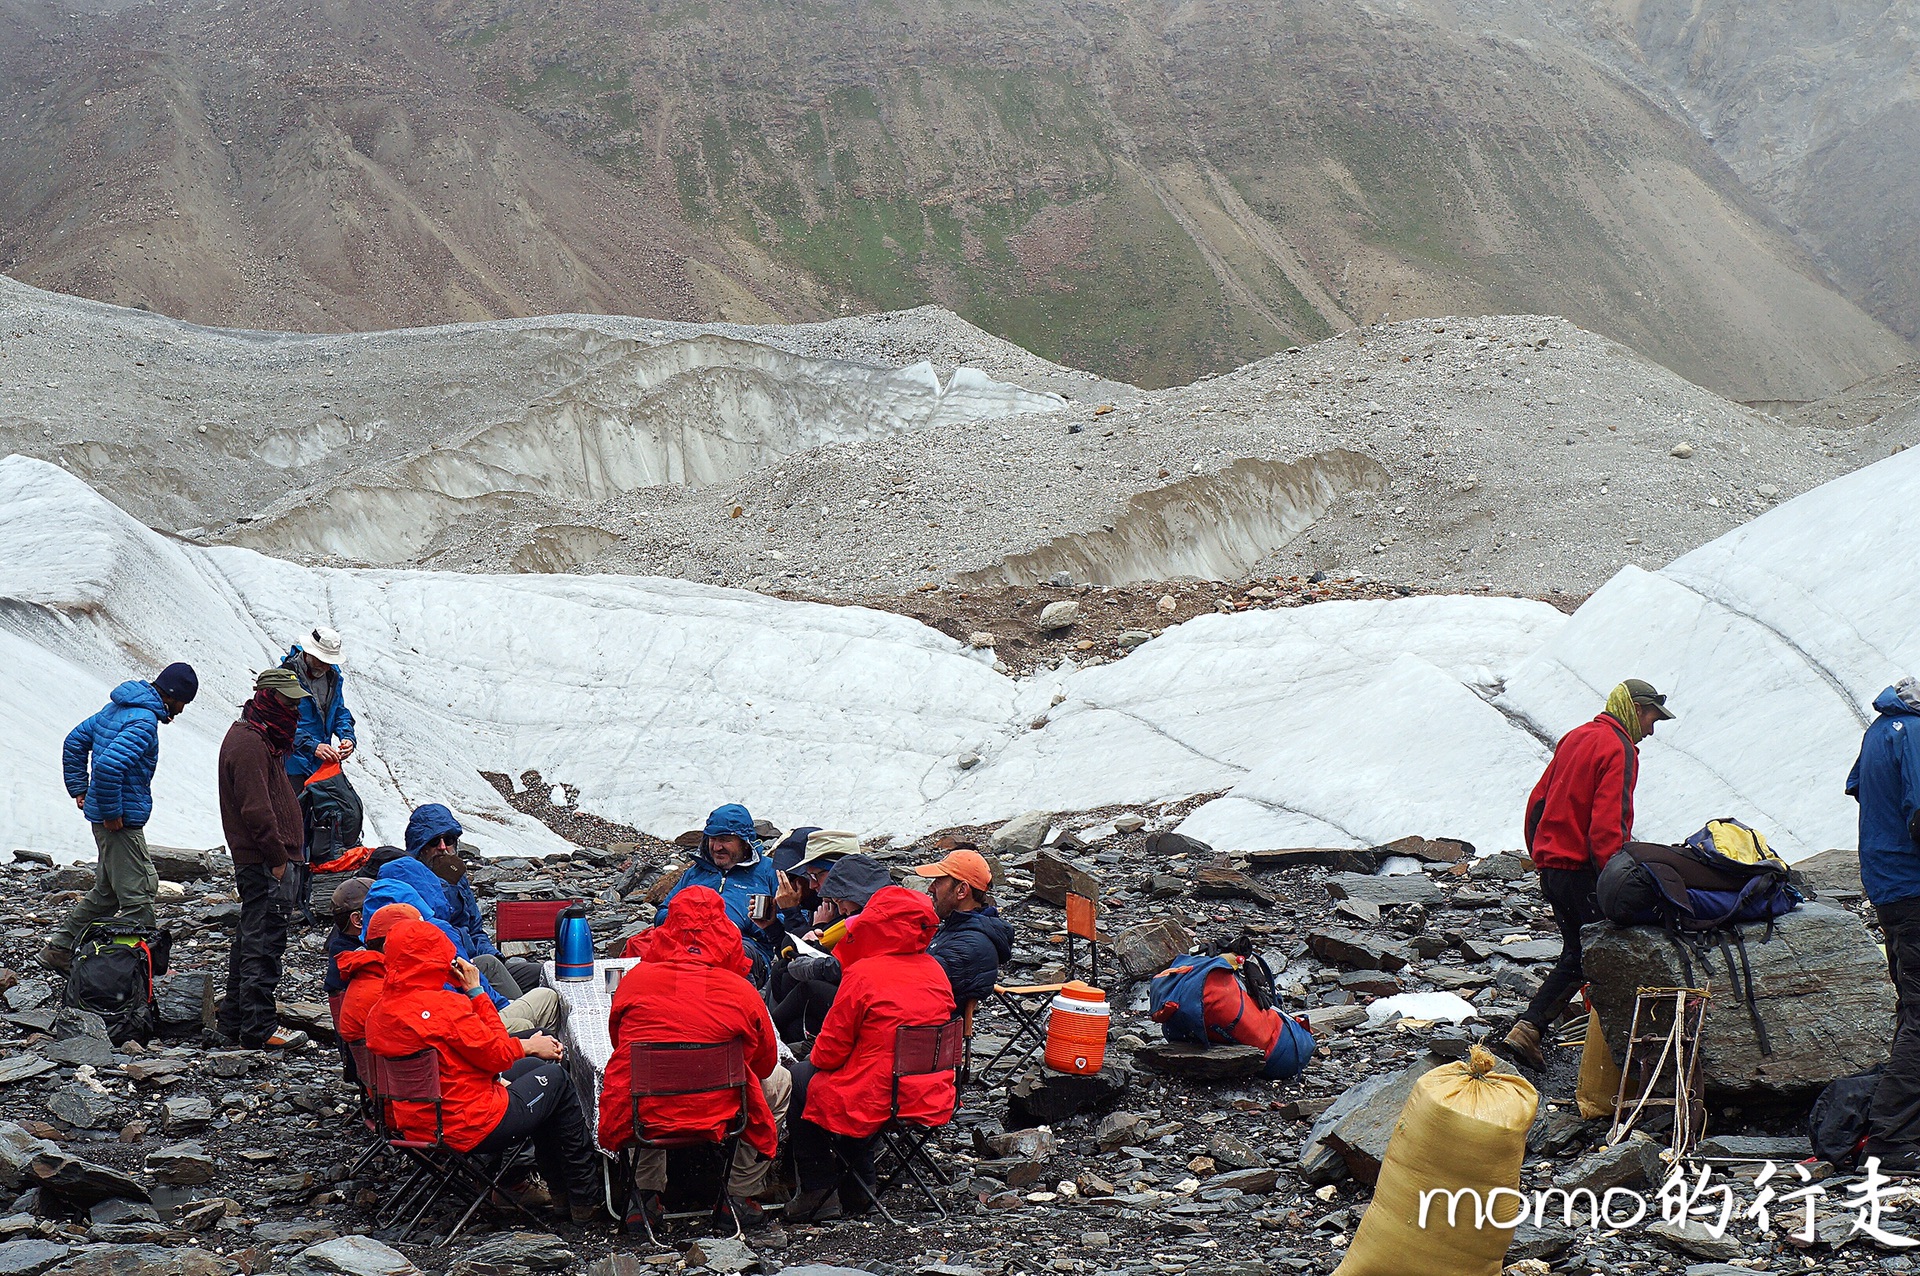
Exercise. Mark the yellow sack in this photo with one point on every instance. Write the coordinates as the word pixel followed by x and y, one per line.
pixel 1599 1074
pixel 1464 1131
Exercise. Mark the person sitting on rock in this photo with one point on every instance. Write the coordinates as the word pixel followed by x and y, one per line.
pixel 803 987
pixel 498 1090
pixel 843 1092
pixel 973 940
pixel 407 881
pixel 366 971
pixel 691 985
pixel 433 838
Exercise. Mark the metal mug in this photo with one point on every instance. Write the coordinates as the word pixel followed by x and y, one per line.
pixel 760 908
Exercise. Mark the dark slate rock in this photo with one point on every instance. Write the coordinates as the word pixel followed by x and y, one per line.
pixel 1045 1097
pixel 1200 1063
pixel 1405 888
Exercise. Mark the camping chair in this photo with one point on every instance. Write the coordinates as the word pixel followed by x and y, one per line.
pixel 918 1051
pixel 370 1109
pixel 441 1167
pixel 527 919
pixel 1028 1003
pixel 658 1069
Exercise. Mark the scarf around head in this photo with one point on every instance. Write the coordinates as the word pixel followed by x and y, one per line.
pixel 1908 689
pixel 274 717
pixel 1621 708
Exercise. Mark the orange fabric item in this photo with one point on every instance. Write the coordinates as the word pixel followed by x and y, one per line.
pixel 691 985
pixel 366 974
pixel 1225 998
pixel 387 916
pixel 417 1011
pixel 326 771
pixel 347 861
pixel 889 981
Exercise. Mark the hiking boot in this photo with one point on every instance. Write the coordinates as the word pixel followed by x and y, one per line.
pixel 57 958
pixel 813 1207
pixel 752 1218
pixel 1523 1042
pixel 587 1214
pixel 649 1218
pixel 528 1195
pixel 282 1039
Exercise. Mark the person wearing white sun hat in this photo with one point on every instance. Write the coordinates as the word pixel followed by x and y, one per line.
pixel 330 809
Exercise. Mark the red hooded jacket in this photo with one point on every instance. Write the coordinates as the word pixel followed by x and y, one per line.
pixel 1581 812
pixel 366 974
pixel 690 985
pixel 415 1011
pixel 889 982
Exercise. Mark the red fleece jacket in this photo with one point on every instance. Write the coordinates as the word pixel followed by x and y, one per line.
pixel 1581 811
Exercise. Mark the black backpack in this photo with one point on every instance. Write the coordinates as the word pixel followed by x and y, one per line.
pixel 1837 1126
pixel 112 976
pixel 1693 887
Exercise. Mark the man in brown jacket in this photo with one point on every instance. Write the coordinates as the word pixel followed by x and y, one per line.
pixel 261 815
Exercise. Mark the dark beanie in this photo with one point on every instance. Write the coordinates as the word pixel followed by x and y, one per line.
pixel 178 682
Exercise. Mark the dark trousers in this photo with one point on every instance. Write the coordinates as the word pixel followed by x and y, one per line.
pixel 799 1006
pixel 253 965
pixel 1895 1115
pixel 1569 893
pixel 813 1145
pixel 542 1106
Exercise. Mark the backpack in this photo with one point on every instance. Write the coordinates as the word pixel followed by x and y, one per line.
pixel 1721 876
pixel 112 976
pixel 333 812
pixel 1837 1126
pixel 1177 1002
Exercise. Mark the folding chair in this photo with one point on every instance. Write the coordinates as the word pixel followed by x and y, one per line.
pixel 527 919
pixel 440 1167
pixel 370 1111
pixel 918 1051
pixel 1027 1003
pixel 660 1069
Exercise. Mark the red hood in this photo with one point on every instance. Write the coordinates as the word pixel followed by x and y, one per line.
pixel 895 920
pixel 361 961
pixel 697 930
pixel 419 957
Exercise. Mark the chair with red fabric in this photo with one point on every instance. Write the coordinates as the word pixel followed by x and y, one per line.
pixel 415 1078
pixel 523 920
pixel 674 1069
pixel 918 1051
pixel 1027 1004
pixel 369 1106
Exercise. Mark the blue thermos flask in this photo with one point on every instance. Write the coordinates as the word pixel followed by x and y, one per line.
pixel 572 944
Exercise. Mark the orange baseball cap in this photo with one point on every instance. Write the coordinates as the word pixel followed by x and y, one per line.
pixel 389 916
pixel 965 866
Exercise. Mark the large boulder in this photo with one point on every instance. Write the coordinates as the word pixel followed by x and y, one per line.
pixel 1820 987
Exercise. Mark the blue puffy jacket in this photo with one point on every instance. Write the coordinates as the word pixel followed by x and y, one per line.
pixel 310 730
pixel 463 906
pixel 1886 781
pixel 751 876
pixel 970 947
pixel 122 742
pixel 408 881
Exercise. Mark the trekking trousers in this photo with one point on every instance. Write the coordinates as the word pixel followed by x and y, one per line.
pixel 1895 1115
pixel 750 1171
pixel 248 1013
pixel 124 883
pixel 543 1106
pixel 1569 893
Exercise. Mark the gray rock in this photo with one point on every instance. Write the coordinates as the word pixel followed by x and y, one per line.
pixel 1232 1153
pixel 1146 950
pixel 1035 1144
pixel 1693 1238
pixel 146 1260
pixel 27 994
pixel 1115 1130
pixel 29 1256
pixel 181 1165
pixel 1543 1243
pixel 1130 638
pixel 722 1254
pixel 1339 858
pixel 186 1113
pixel 18 1149
pixel 84 1108
pixel 1834 875
pixel 1193 1062
pixel 23 1067
pixel 1022 833
pixel 1045 1097
pixel 1634 1161
pixel 1060 615
pixel 184 998
pixel 80 1049
pixel 512 1254
pixel 1054 877
pixel 1820 985
pixel 1167 844
pixel 179 864
pixel 1255 1181
pixel 351 1256
pixel 1357 949
pixel 1321 1163
pixel 1361 1134
pixel 1503 866
pixel 1385 892
pixel 119 1211
pixel 1528 950
pixel 80 1183
pixel 1782 1149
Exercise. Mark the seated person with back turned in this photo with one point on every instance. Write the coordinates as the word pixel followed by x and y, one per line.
pixel 691 985
pixel 973 939
pixel 497 1089
pixel 841 1095
pixel 803 988
pixel 365 970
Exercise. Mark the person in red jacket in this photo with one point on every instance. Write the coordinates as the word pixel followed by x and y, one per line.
pixel 844 1089
pixel 496 1089
pixel 1578 815
pixel 692 985
pixel 365 970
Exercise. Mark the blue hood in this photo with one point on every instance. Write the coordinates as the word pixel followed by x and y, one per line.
pixel 141 695
pixel 1887 701
pixel 424 882
pixel 433 820
pixel 390 890
pixel 731 820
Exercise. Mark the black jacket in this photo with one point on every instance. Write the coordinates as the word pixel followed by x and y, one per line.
pixel 970 948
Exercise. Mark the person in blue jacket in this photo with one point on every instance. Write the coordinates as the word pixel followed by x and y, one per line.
pixel 433 838
pixel 108 762
pixel 732 864
pixel 1886 782
pixel 325 730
